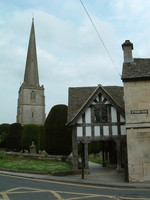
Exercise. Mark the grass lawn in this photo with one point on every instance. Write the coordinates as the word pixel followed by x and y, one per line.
pixel 30 165
pixel 96 159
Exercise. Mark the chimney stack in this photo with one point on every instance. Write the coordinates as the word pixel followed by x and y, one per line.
pixel 127 47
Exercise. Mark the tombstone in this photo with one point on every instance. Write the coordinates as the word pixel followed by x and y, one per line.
pixel 32 148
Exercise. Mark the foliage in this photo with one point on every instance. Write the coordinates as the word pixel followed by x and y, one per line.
pixel 42 137
pixel 2 154
pixel 95 159
pixel 3 137
pixel 94 147
pixel 58 139
pixel 4 130
pixel 13 140
pixel 31 133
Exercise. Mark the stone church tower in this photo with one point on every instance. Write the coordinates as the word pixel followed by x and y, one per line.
pixel 31 99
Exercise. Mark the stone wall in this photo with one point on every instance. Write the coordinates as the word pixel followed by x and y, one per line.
pixel 137 108
pixel 138 154
pixel 31 111
pixel 137 98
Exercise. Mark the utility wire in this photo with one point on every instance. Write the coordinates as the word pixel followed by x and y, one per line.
pixel 100 37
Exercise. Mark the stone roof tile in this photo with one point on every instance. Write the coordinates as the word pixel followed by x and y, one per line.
pixel 139 69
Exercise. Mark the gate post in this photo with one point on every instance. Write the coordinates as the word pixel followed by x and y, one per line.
pixel 103 155
pixel 118 155
pixel 74 148
pixel 82 159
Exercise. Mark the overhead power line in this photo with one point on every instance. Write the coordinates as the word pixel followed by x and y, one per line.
pixel 100 37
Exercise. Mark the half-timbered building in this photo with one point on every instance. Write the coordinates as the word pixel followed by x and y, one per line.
pixel 97 114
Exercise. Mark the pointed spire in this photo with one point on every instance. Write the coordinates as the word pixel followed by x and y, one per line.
pixel 31 77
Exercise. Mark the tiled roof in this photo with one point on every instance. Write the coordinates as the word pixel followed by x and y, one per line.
pixel 79 96
pixel 139 70
pixel 116 93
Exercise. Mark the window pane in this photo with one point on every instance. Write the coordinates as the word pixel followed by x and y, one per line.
pixel 104 117
pixel 100 115
pixel 97 115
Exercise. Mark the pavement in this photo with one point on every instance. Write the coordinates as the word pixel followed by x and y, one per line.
pixel 99 176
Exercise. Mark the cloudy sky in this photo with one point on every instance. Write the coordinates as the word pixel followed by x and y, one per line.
pixel 70 53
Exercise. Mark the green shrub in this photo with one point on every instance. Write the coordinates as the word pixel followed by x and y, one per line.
pixel 58 140
pixel 42 138
pixel 3 136
pixel 13 139
pixel 4 130
pixel 94 147
pixel 31 133
pixel 2 155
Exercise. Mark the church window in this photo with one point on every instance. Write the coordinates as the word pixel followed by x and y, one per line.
pixel 32 114
pixel 101 115
pixel 33 96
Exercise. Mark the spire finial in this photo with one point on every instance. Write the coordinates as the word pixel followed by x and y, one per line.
pixel 33 16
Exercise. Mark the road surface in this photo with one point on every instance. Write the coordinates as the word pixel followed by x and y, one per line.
pixel 21 188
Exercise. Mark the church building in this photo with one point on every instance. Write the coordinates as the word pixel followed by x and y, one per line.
pixel 31 99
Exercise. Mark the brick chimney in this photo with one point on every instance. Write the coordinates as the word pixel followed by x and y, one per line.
pixel 127 47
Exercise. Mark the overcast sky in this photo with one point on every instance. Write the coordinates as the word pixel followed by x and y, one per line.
pixel 69 51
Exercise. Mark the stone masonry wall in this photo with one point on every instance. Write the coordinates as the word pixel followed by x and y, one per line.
pixel 31 111
pixel 138 154
pixel 137 108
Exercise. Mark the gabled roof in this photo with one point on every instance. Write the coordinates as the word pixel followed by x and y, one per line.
pixel 31 76
pixel 81 97
pixel 139 69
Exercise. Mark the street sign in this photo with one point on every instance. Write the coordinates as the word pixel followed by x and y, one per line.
pixel 139 111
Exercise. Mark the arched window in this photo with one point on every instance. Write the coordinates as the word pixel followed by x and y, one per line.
pixel 33 96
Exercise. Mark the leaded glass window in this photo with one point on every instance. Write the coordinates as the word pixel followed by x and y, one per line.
pixel 101 115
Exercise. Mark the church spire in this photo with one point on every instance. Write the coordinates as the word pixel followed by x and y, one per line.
pixel 31 77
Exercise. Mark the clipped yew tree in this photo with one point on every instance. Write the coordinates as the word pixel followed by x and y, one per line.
pixel 31 133
pixel 13 139
pixel 57 135
pixel 42 137
pixel 4 130
pixel 94 147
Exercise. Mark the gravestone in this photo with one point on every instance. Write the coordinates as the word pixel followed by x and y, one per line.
pixel 32 148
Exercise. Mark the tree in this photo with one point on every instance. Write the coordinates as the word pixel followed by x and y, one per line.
pixel 31 133
pixel 94 147
pixel 57 135
pixel 4 129
pixel 42 137
pixel 13 139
